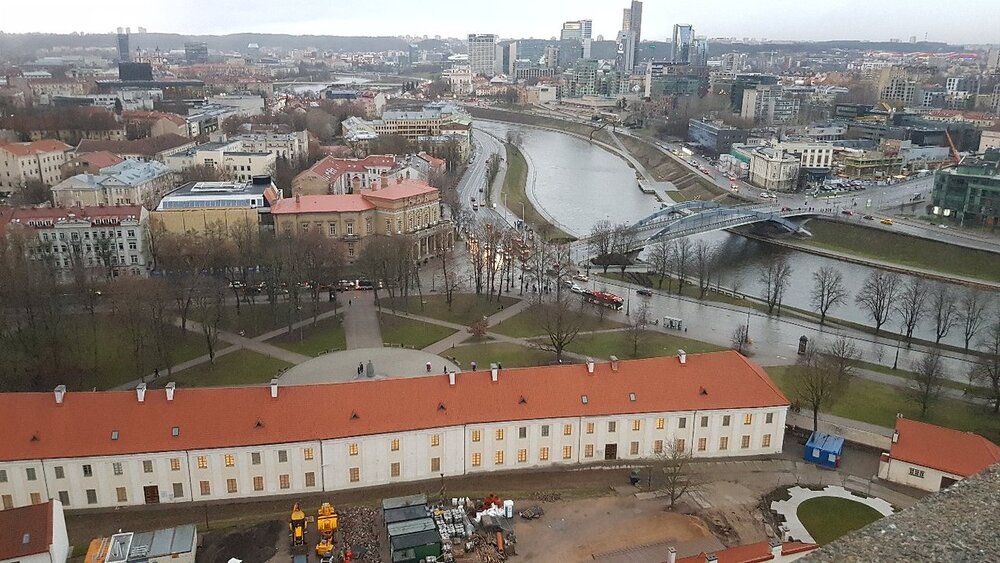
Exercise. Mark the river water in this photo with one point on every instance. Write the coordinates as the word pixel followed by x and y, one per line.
pixel 579 184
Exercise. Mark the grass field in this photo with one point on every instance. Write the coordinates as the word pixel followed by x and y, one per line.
pixel 828 518
pixel 605 344
pixel 242 367
pixel 524 324
pixel 326 336
pixel 409 332
pixel 878 403
pixel 904 250
pixel 465 309
pixel 514 185
pixel 503 353
pixel 254 320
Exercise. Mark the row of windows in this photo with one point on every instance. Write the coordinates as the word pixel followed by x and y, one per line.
pixel 87 235
pixel 613 426
pixel 588 450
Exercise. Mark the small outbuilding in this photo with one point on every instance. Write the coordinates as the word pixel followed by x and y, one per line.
pixel 824 450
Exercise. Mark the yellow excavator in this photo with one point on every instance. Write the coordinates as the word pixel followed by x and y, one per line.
pixel 297 527
pixel 326 526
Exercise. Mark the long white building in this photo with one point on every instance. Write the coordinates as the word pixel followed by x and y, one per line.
pixel 181 445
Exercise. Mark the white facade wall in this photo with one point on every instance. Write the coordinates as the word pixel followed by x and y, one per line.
pixel 927 479
pixel 374 457
pixel 59 549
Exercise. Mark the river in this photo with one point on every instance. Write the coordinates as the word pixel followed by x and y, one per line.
pixel 578 184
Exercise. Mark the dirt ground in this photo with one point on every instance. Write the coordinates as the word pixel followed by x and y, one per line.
pixel 585 529
pixel 251 544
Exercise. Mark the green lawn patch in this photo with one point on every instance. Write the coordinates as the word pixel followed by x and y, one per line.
pixel 254 320
pixel 910 375
pixel 465 309
pixel 652 343
pixel 503 353
pixel 525 324
pixel 242 367
pixel 828 518
pixel 411 333
pixel 878 403
pixel 326 336
pixel 904 250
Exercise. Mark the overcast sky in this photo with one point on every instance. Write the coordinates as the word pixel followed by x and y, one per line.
pixel 953 21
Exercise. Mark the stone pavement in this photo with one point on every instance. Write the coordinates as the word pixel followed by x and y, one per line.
pixel 789 508
pixel 342 366
pixel 361 326
pixel 463 334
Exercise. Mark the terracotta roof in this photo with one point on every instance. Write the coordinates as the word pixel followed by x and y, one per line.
pixel 155 115
pixel 944 449
pixel 32 521
pixel 23 215
pixel 45 145
pixel 332 167
pixel 34 426
pixel 98 160
pixel 750 553
pixel 321 204
pixel 401 190
pixel 146 147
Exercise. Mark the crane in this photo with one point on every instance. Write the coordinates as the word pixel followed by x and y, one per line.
pixel 951 143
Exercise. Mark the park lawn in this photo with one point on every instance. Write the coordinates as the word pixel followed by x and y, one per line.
pixel 507 354
pixel 410 333
pixel 326 336
pixel 241 367
pixel 652 343
pixel 466 308
pixel 254 320
pixel 828 518
pixel 948 383
pixel 903 249
pixel 878 403
pixel 523 324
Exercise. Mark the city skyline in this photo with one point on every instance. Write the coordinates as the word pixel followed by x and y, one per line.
pixel 777 19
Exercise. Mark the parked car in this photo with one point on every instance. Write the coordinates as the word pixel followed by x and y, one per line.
pixel 576 289
pixel 847 212
pixel 869 217
pixel 581 277
pixel 644 292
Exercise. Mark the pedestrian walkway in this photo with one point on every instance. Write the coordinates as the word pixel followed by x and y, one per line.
pixel 361 327
pixel 253 345
pixel 789 508
pixel 337 367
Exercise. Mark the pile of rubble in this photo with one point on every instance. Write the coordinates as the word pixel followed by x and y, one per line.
pixel 545 497
pixel 360 532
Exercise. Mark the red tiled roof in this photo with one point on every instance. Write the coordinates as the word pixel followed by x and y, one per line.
pixel 944 449
pixel 23 215
pixel 45 145
pixel 34 521
pixel 401 190
pixel 33 426
pixel 333 167
pixel 154 115
pixel 321 204
pixel 99 159
pixel 751 553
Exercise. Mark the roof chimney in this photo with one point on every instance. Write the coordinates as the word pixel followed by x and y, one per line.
pixel 399 179
pixel 494 372
pixel 385 180
pixel 590 366
pixel 671 554
pixel 140 392
pixel 60 392
pixel 895 436
pixel 711 558
pixel 170 390
pixel 274 388
pixel 298 199
pixel 614 363
pixel 682 356
pixel 776 546
pixel 451 378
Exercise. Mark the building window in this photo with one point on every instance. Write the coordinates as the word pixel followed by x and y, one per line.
pixel 394 469
pixel 567 429
pixel 636 425
pixel 178 490
pixel 307 454
pixel 724 443
pixel 914 472
pixel 116 468
pixel 498 457
pixel 745 442
pixel 660 423
pixel 543 454
pixel 202 462
pixel 175 464
pixel 702 444
pixel 658 447
pixel 522 432
pixel 147 466
pixel 350 228
pixel 394 445
pixel 435 440
pixel 522 455
pixel 122 494
pixel 36 498
pixel 352 449
pixel 682 423
pixel 91 496
pixel 258 483
pixel 747 419
pixel 88 471
pixel 284 482
pixel 680 445
pixel 545 431
pixel 59 472
pixel 29 472
pixel 633 448
pixel 704 422
pixel 255 458
pixel 769 418
pixel 725 420
pixel 435 464
pixel 765 442
pixel 476 435
pixel 8 502
pixel 588 450
pixel 477 459
pixel 282 456
pixel 230 460
pixel 206 488
pixel 499 434
pixel 3 475
pixel 567 452
pixel 355 474
pixel 612 426
pixel 333 229
pixel 231 486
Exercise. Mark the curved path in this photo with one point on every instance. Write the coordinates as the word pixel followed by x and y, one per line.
pixel 338 367
pixel 789 509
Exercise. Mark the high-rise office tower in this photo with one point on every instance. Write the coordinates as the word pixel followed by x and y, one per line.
pixel 124 54
pixel 683 39
pixel 483 53
pixel 629 36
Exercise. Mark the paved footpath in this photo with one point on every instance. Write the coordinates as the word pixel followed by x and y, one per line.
pixel 361 327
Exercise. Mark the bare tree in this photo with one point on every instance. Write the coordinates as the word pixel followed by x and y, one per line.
pixel 877 294
pixel 911 304
pixel 828 291
pixel 971 308
pixel 660 259
pixel 561 318
pixel 635 332
pixel 986 371
pixel 740 339
pixel 704 261
pixel 927 385
pixel 209 305
pixel 774 276
pixel 624 238
pixel 600 242
pixel 944 310
pixel 821 377
pixel 674 465
pixel 681 254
